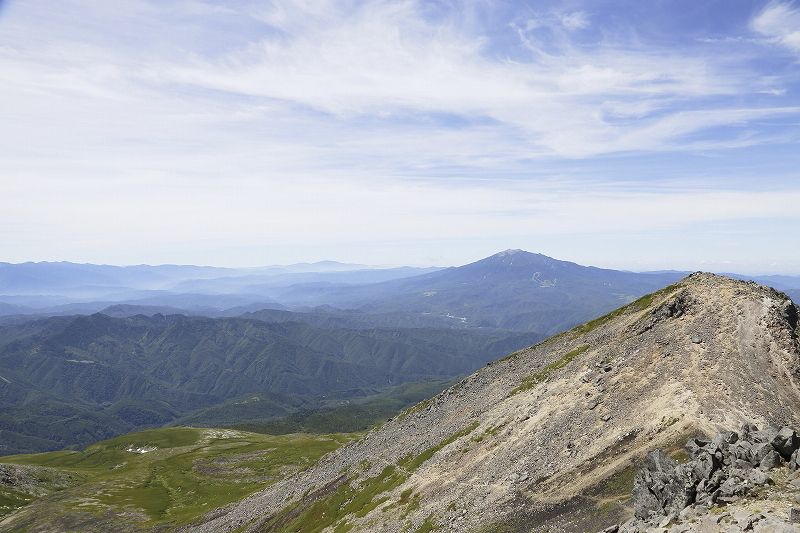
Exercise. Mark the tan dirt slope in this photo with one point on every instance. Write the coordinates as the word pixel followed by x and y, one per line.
pixel 546 439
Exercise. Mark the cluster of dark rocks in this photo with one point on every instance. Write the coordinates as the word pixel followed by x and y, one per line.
pixel 31 480
pixel 719 472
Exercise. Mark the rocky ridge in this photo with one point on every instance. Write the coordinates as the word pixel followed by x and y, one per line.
pixel 548 439
pixel 735 482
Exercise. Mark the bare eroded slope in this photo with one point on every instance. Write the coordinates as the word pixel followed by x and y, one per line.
pixel 546 438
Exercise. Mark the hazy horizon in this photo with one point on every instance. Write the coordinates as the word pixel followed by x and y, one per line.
pixel 722 267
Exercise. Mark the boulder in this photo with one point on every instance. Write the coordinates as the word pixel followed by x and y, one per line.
pixel 759 477
pixel 741 450
pixel 720 471
pixel 759 451
pixel 786 442
pixel 694 446
pixel 765 435
pixel 793 460
pixel 663 487
pixel 725 438
pixel 747 431
pixel 771 460
pixel 704 465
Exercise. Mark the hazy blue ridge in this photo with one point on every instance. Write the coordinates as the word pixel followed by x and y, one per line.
pixel 511 290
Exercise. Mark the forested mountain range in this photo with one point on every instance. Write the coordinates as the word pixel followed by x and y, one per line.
pixel 63 288
pixel 352 333
pixel 513 290
pixel 62 379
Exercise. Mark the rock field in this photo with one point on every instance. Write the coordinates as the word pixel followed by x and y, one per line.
pixel 746 481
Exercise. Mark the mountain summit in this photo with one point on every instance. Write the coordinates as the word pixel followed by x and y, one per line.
pixel 550 437
pixel 538 270
pixel 513 290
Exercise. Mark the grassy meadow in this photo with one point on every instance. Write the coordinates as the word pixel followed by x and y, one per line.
pixel 162 477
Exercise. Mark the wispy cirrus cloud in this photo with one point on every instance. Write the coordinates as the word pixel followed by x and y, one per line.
pixel 780 21
pixel 387 58
pixel 188 121
pixel 411 69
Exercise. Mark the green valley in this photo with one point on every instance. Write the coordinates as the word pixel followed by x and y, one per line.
pixel 161 478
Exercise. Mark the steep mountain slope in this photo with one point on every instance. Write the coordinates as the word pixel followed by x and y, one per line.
pixel 794 294
pixel 109 375
pixel 514 290
pixel 548 439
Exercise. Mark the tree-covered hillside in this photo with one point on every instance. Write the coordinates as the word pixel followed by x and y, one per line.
pixel 68 380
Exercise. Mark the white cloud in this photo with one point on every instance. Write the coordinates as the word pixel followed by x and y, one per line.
pixel 382 58
pixel 163 208
pixel 387 60
pixel 781 22
pixel 182 121
pixel 203 8
pixel 554 20
pixel 575 21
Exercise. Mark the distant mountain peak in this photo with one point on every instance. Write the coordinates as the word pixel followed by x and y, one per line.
pixel 511 252
pixel 520 254
pixel 520 261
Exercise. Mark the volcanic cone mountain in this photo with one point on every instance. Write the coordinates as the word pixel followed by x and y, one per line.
pixel 514 290
pixel 549 438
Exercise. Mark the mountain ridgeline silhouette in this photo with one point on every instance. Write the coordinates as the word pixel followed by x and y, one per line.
pixel 512 290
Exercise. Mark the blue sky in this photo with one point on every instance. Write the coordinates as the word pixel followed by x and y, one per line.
pixel 622 134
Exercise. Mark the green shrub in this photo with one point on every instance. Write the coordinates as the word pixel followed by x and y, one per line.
pixel 531 381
